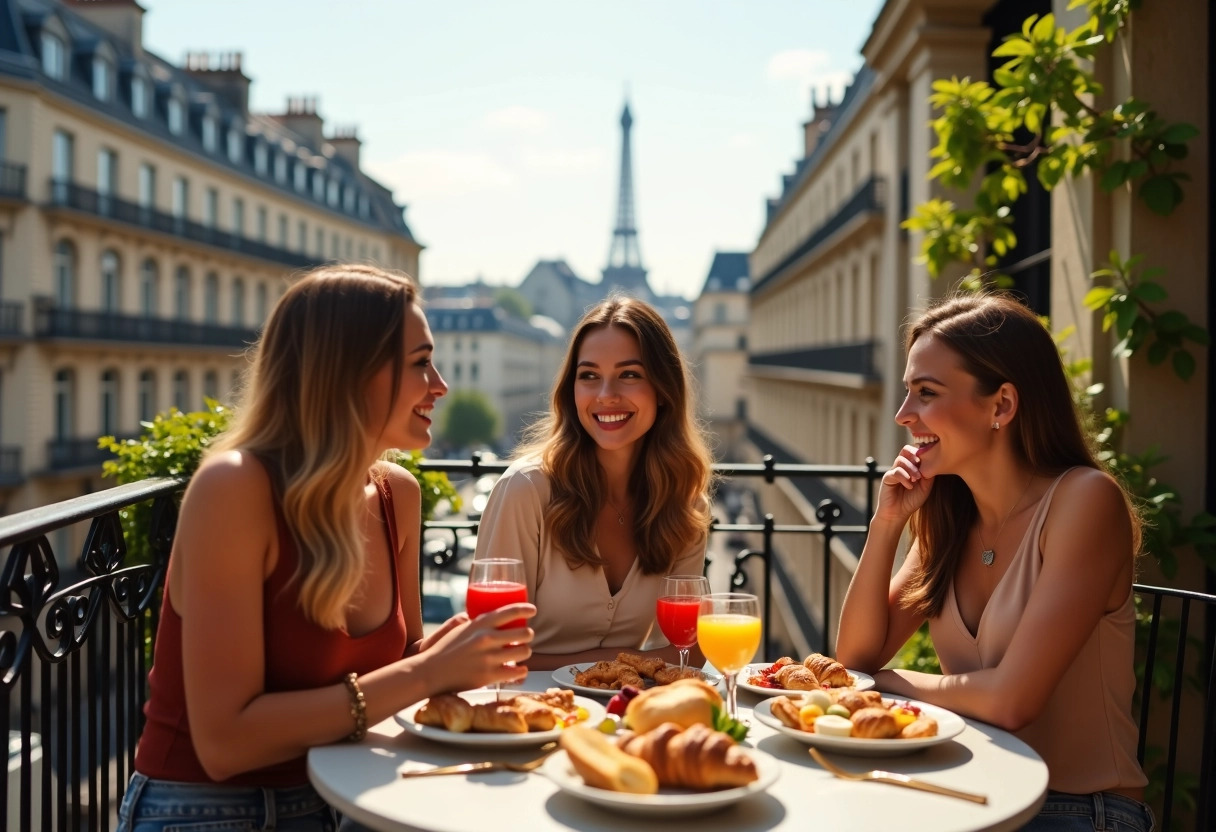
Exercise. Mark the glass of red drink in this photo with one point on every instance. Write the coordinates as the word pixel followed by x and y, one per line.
pixel 495 583
pixel 677 608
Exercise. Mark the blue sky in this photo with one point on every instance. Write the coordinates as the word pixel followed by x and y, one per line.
pixel 497 121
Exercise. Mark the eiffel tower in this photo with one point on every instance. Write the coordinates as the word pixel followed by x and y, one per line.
pixel 624 271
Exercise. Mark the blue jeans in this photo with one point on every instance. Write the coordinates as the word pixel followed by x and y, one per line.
pixel 1097 812
pixel 169 806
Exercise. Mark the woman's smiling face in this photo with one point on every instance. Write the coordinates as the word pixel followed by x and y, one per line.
pixel 944 408
pixel 615 400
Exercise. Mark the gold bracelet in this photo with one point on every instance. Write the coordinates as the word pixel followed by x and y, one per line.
pixel 358 707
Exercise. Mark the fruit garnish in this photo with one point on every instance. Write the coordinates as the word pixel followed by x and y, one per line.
pixel 608 725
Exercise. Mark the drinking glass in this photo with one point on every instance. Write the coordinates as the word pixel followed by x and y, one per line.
pixel 494 583
pixel 728 631
pixel 677 609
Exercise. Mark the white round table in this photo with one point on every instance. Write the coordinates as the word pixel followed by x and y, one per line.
pixel 362 781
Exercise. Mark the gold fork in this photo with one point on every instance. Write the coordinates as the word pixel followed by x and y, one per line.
pixel 496 765
pixel 895 780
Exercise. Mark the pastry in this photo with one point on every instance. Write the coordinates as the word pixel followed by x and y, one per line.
pixel 786 710
pixel 605 766
pixel 697 757
pixel 498 718
pixel 559 698
pixel 685 702
pixel 644 666
pixel 672 673
pixel 922 727
pixel 829 671
pixel 874 723
pixel 796 677
pixel 447 711
pixel 537 715
pixel 608 676
pixel 855 700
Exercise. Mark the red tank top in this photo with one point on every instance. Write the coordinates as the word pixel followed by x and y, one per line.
pixel 299 655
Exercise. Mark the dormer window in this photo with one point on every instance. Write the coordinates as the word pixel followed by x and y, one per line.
pixel 318 186
pixel 54 56
pixel 175 114
pixel 210 134
pixel 348 199
pixel 260 159
pixel 102 78
pixel 236 142
pixel 364 207
pixel 301 177
pixel 280 168
pixel 139 97
pixel 331 195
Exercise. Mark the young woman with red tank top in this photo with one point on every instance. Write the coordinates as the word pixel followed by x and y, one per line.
pixel 1022 559
pixel 292 613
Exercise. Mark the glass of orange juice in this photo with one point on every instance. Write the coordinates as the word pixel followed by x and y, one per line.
pixel 728 632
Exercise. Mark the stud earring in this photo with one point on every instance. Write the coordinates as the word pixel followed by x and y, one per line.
pixel 996 425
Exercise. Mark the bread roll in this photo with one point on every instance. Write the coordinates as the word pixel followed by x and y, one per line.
pixel 875 724
pixel 684 702
pixel 602 765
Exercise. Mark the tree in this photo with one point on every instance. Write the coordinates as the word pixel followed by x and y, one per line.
pixel 469 419
pixel 513 303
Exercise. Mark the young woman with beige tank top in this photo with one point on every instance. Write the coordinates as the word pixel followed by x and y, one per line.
pixel 1022 559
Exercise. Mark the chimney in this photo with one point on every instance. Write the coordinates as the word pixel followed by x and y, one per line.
pixel 821 121
pixel 221 72
pixel 346 144
pixel 124 19
pixel 301 118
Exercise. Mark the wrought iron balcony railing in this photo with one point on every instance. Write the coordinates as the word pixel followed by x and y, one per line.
pixel 75 647
pixel 12 180
pixel 51 321
pixel 77 197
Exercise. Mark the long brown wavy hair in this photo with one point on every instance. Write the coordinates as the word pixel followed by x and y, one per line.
pixel 304 416
pixel 998 340
pixel 671 479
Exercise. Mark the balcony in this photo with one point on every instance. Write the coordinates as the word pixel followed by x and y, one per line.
pixel 868 199
pixel 78 198
pixel 72 453
pixel 51 321
pixel 12 181
pixel 850 365
pixel 10 466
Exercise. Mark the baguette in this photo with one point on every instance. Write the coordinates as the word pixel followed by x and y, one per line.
pixel 602 765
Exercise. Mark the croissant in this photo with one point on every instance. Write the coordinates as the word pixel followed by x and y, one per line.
pixel 924 726
pixel 695 758
pixel 830 672
pixel 609 675
pixel 538 716
pixel 447 711
pixel 786 710
pixel 855 700
pixel 495 718
pixel 559 698
pixel 672 673
pixel 875 724
pixel 644 666
pixel 796 677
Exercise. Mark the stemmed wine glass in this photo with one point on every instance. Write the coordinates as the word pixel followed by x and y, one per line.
pixel 728 631
pixel 677 609
pixel 495 583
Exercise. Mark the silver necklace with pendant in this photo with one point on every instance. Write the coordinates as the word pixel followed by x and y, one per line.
pixel 988 555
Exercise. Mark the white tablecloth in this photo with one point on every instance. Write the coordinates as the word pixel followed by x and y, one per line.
pixel 362 781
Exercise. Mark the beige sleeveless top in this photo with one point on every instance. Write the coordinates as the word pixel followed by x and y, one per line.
pixel 1085 733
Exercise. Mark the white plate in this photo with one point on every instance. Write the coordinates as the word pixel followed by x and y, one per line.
pixel 864 681
pixel 949 726
pixel 668 801
pixel 405 718
pixel 564 676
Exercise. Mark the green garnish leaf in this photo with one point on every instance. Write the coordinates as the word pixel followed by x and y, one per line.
pixel 733 728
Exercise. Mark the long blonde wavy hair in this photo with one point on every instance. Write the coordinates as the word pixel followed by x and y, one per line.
pixel 671 479
pixel 304 417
